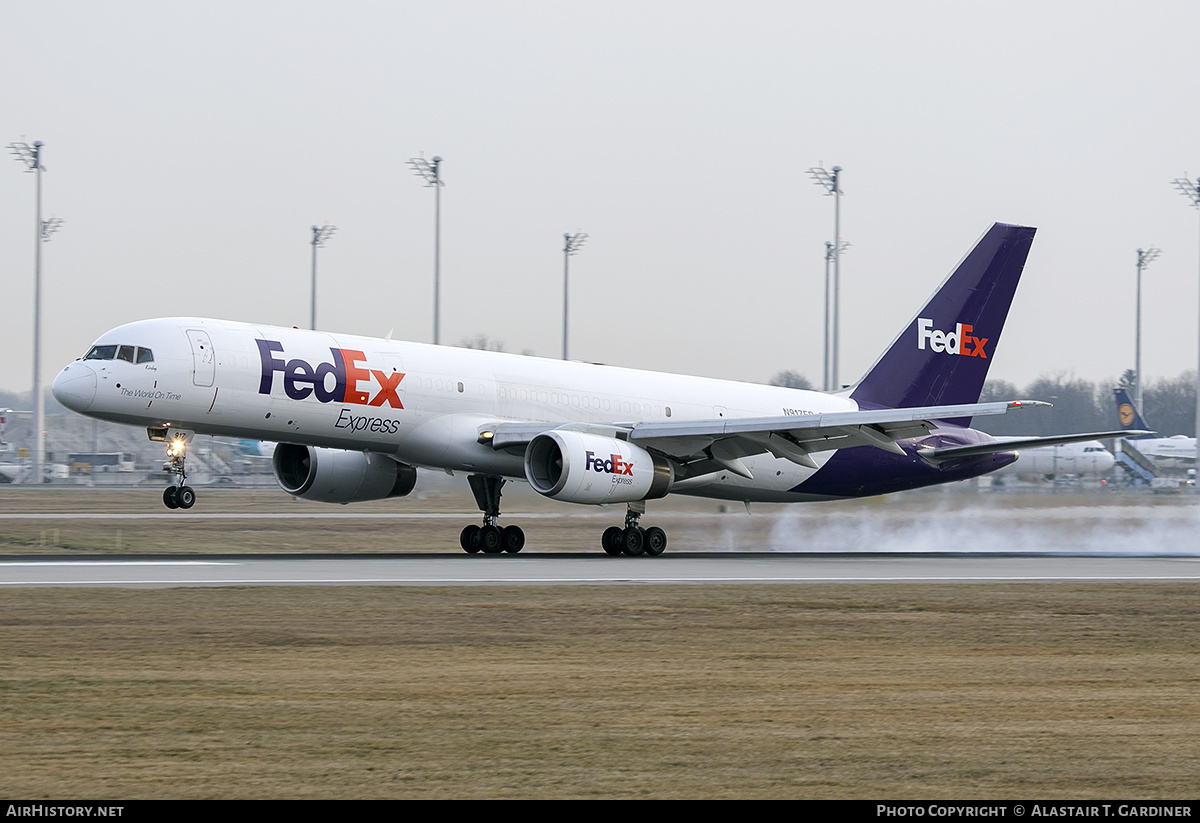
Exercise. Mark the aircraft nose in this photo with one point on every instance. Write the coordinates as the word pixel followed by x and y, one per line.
pixel 75 387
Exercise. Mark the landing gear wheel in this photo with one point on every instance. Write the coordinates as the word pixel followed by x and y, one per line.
pixel 513 539
pixel 169 498
pixel 656 541
pixel 634 539
pixel 491 540
pixel 612 541
pixel 185 496
pixel 469 539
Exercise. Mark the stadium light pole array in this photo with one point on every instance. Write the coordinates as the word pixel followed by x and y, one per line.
pixel 1144 258
pixel 1191 190
pixel 829 180
pixel 320 235
pixel 830 253
pixel 30 156
pixel 571 244
pixel 431 172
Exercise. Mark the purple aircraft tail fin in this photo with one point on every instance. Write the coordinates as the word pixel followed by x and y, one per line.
pixel 943 354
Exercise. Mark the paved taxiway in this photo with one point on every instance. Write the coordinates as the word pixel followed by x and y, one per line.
pixel 562 569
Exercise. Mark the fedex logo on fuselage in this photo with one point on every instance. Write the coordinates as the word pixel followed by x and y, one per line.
pixel 960 341
pixel 613 465
pixel 352 383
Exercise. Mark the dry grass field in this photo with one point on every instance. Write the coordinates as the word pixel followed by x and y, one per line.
pixel 791 691
pixel 987 691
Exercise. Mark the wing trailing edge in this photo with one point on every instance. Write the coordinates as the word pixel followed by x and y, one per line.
pixel 793 437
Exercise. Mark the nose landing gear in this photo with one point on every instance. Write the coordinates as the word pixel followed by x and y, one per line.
pixel 179 496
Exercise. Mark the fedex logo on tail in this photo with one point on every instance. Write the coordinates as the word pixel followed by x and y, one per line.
pixel 960 341
pixel 352 383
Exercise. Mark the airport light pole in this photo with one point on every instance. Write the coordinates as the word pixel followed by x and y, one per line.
pixel 571 244
pixel 431 172
pixel 1191 190
pixel 31 157
pixel 320 235
pixel 829 180
pixel 830 253
pixel 1144 258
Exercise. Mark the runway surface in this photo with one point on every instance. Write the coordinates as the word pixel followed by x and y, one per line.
pixel 564 569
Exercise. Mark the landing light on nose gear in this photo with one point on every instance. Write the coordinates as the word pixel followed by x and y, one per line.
pixel 179 496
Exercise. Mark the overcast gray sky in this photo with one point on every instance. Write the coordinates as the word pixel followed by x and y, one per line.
pixel 190 146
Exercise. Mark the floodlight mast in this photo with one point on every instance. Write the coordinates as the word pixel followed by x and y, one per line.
pixel 431 172
pixel 829 255
pixel 1144 258
pixel 571 244
pixel 31 158
pixel 320 235
pixel 1191 190
pixel 829 181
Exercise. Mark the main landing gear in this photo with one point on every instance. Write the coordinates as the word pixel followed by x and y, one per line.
pixel 633 539
pixel 490 538
pixel 179 496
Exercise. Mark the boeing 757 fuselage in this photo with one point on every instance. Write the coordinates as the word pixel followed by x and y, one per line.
pixel 355 417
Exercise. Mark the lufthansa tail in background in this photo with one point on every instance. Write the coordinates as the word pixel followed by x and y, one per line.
pixel 1176 451
pixel 355 417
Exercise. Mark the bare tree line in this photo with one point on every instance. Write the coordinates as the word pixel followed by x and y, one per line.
pixel 1079 405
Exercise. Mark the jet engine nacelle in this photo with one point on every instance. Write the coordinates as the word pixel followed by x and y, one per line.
pixel 591 468
pixel 337 476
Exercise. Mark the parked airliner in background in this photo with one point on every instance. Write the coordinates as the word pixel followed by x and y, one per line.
pixel 354 417
pixel 9 472
pixel 1085 459
pixel 1178 451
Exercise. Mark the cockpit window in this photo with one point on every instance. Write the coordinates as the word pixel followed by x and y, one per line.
pixel 101 353
pixel 130 354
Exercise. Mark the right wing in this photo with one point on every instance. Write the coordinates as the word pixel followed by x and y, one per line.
pixel 707 445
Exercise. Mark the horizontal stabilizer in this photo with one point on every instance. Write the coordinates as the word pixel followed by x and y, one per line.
pixel 936 456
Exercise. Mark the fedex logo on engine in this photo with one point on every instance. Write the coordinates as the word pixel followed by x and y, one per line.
pixel 352 383
pixel 960 341
pixel 613 465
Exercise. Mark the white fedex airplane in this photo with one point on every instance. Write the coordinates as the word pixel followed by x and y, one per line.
pixel 355 417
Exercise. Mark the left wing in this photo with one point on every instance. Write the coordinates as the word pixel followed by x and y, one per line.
pixel 723 442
